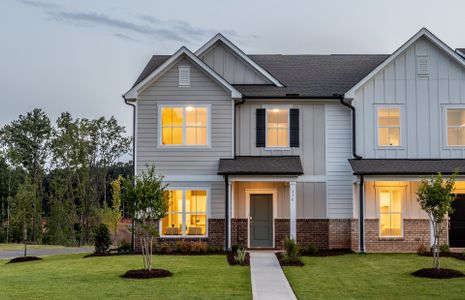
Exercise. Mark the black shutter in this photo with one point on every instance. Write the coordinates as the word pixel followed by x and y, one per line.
pixel 294 127
pixel 260 119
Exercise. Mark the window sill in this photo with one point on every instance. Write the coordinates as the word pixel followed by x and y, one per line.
pixel 183 236
pixel 277 148
pixel 391 238
pixel 183 147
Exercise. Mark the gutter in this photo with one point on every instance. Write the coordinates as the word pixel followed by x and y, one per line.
pixel 133 232
pixel 341 98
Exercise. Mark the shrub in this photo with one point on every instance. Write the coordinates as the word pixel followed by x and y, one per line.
pixel 444 248
pixel 292 250
pixel 422 249
pixel 240 256
pixel 214 249
pixel 102 239
pixel 124 247
pixel 198 247
pixel 182 246
pixel 235 247
pixel 311 249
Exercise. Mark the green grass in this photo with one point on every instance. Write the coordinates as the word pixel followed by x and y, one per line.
pixel 74 277
pixel 13 247
pixel 373 276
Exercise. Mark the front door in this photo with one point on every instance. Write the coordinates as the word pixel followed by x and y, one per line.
pixel 261 220
pixel 457 222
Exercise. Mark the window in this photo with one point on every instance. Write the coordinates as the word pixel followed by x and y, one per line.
pixel 184 125
pixel 389 126
pixel 184 76
pixel 456 126
pixel 187 214
pixel 277 127
pixel 390 212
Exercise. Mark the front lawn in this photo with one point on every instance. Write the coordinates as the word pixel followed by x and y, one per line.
pixel 15 247
pixel 373 276
pixel 74 277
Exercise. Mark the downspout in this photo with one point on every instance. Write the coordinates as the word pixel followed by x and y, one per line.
pixel 133 232
pixel 226 212
pixel 361 216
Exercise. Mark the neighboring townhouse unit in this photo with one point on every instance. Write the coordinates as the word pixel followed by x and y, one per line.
pixel 259 147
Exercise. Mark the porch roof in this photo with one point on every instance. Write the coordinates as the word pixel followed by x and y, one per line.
pixel 406 166
pixel 261 165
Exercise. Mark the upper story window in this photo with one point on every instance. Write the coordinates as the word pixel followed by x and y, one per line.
pixel 389 126
pixel 390 212
pixel 456 127
pixel 187 214
pixel 277 127
pixel 184 125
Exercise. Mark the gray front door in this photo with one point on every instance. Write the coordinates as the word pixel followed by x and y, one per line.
pixel 261 220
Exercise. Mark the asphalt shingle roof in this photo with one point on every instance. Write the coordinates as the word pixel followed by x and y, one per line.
pixel 303 75
pixel 406 166
pixel 261 165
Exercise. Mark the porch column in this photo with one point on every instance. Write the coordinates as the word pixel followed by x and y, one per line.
pixel 293 209
pixel 361 216
pixel 231 199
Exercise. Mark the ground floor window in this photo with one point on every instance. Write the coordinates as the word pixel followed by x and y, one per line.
pixel 187 214
pixel 390 211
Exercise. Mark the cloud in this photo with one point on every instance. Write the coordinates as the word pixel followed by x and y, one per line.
pixel 39 4
pixel 95 19
pixel 126 37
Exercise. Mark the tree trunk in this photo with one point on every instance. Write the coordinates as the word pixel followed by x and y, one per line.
pixel 25 238
pixel 436 246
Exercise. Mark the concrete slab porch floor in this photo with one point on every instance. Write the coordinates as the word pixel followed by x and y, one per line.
pixel 267 277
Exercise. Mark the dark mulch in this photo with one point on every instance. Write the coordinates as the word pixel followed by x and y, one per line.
pixel 230 256
pixel 145 274
pixel 438 274
pixel 24 259
pixel 283 262
pixel 329 252
pixel 446 254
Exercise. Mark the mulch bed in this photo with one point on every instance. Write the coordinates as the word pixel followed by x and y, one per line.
pixel 438 274
pixel 329 252
pixel 24 259
pixel 230 256
pixel 145 274
pixel 446 254
pixel 283 262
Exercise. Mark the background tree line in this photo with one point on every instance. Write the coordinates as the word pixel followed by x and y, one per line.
pixel 55 179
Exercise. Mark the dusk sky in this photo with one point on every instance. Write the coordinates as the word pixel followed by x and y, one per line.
pixel 81 56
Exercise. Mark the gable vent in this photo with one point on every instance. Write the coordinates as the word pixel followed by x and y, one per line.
pixel 422 66
pixel 184 76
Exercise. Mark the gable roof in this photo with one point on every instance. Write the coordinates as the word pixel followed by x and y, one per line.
pixel 220 38
pixel 304 76
pixel 154 70
pixel 461 52
pixel 422 33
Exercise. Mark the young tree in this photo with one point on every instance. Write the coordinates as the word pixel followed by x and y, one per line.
pixel 148 203
pixel 435 197
pixel 111 216
pixel 22 208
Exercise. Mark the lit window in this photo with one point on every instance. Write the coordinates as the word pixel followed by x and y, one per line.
pixel 389 126
pixel 277 127
pixel 390 212
pixel 456 127
pixel 184 125
pixel 187 214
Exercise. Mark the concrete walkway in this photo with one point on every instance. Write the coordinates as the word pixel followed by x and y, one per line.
pixel 268 280
pixel 9 254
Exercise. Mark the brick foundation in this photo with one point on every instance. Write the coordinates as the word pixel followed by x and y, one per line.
pixel 215 237
pixel 339 234
pixel 239 232
pixel 416 233
pixel 282 229
pixel 313 231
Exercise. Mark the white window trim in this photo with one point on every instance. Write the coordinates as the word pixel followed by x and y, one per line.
pixel 184 235
pixel 402 189
pixel 446 126
pixel 183 145
pixel 401 127
pixel 278 148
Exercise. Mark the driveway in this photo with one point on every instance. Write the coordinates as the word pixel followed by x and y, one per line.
pixel 9 254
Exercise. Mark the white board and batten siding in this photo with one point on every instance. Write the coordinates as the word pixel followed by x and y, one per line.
pixel 422 99
pixel 231 67
pixel 184 160
pixel 338 151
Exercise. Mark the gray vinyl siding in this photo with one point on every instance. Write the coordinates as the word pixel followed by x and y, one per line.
pixel 311 130
pixel 311 198
pixel 216 197
pixel 231 67
pixel 422 102
pixel 339 150
pixel 188 160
